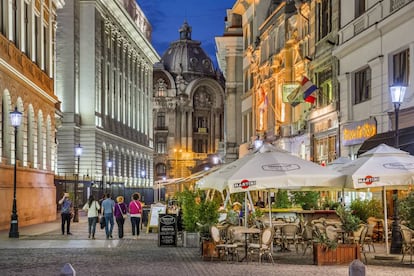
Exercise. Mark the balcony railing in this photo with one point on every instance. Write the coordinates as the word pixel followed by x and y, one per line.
pixel 375 14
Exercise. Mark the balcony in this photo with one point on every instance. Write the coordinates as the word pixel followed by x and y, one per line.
pixel 375 14
pixel 21 63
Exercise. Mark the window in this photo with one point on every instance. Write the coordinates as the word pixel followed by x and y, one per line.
pixel 359 7
pixel 2 17
pixel 26 29
pixel 401 67
pixel 14 22
pixel 161 145
pixel 161 120
pixel 324 84
pixel 161 88
pixel 362 85
pixel 324 18
pixel 161 170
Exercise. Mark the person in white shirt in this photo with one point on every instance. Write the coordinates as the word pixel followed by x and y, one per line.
pixel 93 207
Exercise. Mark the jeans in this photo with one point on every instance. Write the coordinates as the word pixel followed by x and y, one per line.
pixel 109 220
pixel 92 225
pixel 120 221
pixel 135 221
pixel 65 220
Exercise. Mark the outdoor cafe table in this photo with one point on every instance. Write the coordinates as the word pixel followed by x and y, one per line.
pixel 246 231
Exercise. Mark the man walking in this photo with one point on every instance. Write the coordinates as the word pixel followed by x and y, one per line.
pixel 108 211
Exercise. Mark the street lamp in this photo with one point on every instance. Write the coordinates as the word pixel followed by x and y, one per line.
pixel 397 92
pixel 16 120
pixel 109 166
pixel 78 153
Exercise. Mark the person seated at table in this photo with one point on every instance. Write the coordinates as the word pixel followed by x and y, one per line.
pixel 234 214
pixel 260 203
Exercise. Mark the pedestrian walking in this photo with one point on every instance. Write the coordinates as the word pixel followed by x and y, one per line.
pixel 92 207
pixel 120 213
pixel 66 213
pixel 135 211
pixel 108 212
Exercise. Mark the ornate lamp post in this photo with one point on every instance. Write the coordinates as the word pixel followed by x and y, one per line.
pixel 397 92
pixel 16 120
pixel 78 153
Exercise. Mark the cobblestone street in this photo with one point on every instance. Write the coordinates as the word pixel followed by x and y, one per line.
pixel 43 250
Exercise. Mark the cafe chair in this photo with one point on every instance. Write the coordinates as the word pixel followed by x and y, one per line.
pixel 331 233
pixel 407 243
pixel 362 242
pixel 289 236
pixel 369 241
pixel 307 238
pixel 223 248
pixel 264 247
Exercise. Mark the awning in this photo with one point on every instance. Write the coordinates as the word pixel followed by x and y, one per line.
pixel 406 140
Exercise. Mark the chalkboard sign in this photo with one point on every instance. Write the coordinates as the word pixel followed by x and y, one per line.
pixel 156 209
pixel 167 230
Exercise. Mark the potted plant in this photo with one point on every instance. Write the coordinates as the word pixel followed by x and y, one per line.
pixel 197 216
pixel 327 251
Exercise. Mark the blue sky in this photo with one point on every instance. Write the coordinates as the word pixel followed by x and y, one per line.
pixel 205 17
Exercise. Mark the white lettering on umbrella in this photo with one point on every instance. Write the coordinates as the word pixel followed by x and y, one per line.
pixel 368 179
pixel 399 166
pixel 282 167
pixel 244 184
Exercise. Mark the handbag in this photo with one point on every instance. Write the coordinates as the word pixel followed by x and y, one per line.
pixel 97 211
pixel 124 216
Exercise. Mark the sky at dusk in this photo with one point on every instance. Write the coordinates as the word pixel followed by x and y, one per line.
pixel 206 17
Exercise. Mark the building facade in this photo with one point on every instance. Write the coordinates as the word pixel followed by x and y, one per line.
pixel 104 80
pixel 373 55
pixel 27 55
pixel 188 109
pixel 285 42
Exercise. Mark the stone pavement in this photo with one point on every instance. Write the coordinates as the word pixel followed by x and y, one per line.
pixel 43 250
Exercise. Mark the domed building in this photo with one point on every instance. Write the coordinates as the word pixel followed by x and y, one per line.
pixel 188 109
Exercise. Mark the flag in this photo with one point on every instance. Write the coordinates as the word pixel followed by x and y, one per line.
pixel 264 99
pixel 308 89
pixel 294 97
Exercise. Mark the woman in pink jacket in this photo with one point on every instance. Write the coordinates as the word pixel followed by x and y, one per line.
pixel 135 210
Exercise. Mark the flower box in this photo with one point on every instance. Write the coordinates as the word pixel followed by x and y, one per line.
pixel 343 254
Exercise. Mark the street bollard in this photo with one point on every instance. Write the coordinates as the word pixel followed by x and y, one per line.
pixel 356 268
pixel 68 270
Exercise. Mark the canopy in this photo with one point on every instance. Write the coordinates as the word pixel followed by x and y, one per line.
pixel 272 168
pixel 382 166
pixel 378 167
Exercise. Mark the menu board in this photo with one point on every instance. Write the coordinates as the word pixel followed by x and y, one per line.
pixel 167 230
pixel 156 209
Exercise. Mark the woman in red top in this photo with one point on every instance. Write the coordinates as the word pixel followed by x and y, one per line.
pixel 135 210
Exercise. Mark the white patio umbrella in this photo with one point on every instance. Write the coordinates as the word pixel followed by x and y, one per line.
pixel 382 166
pixel 271 168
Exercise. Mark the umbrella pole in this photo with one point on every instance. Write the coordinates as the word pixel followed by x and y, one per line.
pixel 245 209
pixel 387 250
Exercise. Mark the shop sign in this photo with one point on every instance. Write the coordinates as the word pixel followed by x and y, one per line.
pixel 357 132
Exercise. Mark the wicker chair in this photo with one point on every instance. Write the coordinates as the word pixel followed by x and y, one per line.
pixel 408 243
pixel 264 247
pixel 222 247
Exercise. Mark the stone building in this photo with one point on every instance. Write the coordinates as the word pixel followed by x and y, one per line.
pixel 284 42
pixel 104 80
pixel 188 109
pixel 27 55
